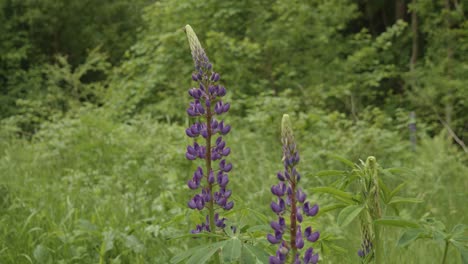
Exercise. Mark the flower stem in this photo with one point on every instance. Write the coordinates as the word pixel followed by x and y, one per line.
pixel 208 169
pixel 293 228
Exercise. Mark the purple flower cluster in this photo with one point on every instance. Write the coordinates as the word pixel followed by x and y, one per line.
pixel 206 106
pixel 291 199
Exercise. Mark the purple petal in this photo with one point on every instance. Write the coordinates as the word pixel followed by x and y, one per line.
pixel 314 236
pixel 229 206
pixel 274 260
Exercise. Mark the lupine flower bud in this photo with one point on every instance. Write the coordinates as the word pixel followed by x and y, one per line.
pixel 300 195
pixel 280 176
pixel 299 240
pixel 211 178
pixel 214 77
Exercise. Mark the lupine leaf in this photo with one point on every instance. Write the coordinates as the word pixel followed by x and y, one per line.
pixel 339 194
pixel 397 189
pixel 398 199
pixel 202 255
pixel 396 221
pixel 409 236
pixel 259 254
pixel 458 229
pixel 330 208
pixel 232 250
pixel 348 214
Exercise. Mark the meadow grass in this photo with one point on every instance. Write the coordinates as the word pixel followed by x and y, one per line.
pixel 93 190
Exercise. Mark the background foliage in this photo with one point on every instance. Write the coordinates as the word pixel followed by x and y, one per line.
pixel 92 110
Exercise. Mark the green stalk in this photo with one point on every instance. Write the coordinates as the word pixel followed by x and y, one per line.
pixel 378 244
pixel 445 251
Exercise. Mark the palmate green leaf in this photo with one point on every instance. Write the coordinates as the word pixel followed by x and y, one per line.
pixel 191 252
pixel 398 199
pixel 202 255
pixel 348 214
pixel 232 250
pixel 326 173
pixel 397 222
pixel 253 254
pixel 409 236
pixel 346 197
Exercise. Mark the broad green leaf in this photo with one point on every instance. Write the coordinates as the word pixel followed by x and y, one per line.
pixel 232 250
pixel 398 199
pixel 260 254
pixel 348 214
pixel 397 222
pixel 409 236
pixel 330 173
pixel 339 194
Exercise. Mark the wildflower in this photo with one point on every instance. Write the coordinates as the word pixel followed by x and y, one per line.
pixel 295 199
pixel 206 107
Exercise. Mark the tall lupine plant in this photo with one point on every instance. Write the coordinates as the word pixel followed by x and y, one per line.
pixel 206 107
pixel 291 203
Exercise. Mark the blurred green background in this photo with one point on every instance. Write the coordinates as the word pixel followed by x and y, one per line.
pixel 92 115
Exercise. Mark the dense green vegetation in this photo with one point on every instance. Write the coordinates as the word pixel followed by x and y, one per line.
pixel 92 119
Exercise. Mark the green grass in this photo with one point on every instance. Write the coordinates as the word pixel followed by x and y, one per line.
pixel 93 190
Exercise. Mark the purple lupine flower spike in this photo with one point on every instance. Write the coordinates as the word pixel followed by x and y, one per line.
pixel 206 105
pixel 294 204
